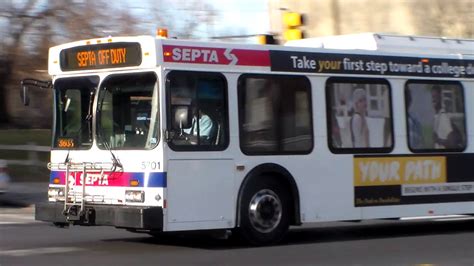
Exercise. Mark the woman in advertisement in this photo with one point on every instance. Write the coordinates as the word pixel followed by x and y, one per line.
pixel 359 128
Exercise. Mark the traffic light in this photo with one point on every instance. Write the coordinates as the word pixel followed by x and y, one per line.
pixel 293 21
pixel 267 39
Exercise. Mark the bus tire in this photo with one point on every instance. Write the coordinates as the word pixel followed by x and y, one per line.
pixel 264 212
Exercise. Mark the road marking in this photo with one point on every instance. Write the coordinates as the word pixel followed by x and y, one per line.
pixel 38 251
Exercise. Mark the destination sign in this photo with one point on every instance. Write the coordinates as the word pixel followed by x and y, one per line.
pixel 98 56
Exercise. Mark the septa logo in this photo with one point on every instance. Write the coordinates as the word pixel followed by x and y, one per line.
pixel 92 179
pixel 195 55
pixel 215 56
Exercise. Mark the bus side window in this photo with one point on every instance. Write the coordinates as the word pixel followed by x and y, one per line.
pixel 435 116
pixel 275 114
pixel 359 115
pixel 198 111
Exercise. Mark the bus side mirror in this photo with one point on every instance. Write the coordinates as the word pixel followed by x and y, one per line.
pixel 34 83
pixel 25 98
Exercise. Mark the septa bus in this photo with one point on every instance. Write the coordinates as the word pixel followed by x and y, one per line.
pixel 163 135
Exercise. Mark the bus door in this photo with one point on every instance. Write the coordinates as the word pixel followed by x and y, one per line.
pixel 200 172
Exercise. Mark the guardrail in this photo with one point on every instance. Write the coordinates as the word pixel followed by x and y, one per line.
pixel 32 154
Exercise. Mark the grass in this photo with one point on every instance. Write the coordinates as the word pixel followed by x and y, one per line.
pixel 40 137
pixel 22 173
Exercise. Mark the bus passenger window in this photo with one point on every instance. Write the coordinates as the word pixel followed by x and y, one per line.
pixel 359 115
pixel 275 114
pixel 198 111
pixel 435 116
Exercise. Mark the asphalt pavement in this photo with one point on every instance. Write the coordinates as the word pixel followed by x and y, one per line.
pixel 24 241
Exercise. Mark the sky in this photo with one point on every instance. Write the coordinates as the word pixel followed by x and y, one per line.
pixel 249 14
pixel 234 17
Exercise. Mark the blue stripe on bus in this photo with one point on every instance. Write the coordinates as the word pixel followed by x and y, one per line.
pixel 157 179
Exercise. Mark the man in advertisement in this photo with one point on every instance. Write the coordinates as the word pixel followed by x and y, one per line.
pixel 445 134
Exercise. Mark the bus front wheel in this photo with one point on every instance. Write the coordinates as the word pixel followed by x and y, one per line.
pixel 264 212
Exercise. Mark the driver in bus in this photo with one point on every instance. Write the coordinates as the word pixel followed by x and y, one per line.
pixel 202 122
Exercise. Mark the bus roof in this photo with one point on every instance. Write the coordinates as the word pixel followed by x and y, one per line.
pixel 382 55
pixel 306 59
pixel 390 43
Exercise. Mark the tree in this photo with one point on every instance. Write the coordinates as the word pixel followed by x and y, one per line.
pixel 34 25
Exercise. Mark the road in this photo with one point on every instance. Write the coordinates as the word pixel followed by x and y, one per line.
pixel 24 241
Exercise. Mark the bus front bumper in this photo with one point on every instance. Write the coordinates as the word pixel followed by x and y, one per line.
pixel 129 217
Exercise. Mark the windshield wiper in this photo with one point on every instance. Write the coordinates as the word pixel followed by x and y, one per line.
pixel 115 162
pixel 88 120
pixel 91 105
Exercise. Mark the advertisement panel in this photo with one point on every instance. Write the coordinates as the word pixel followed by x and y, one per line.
pixel 397 180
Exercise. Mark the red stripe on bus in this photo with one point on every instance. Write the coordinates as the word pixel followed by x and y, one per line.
pixel 252 57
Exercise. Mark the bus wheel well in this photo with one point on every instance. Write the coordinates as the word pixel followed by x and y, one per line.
pixel 284 177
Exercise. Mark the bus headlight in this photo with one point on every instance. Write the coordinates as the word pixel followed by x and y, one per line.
pixel 134 196
pixel 56 193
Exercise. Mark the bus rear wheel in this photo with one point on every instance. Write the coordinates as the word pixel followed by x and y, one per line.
pixel 264 212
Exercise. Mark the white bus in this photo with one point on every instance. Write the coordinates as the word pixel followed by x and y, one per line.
pixel 161 135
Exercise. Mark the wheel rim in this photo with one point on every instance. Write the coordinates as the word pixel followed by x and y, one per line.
pixel 265 210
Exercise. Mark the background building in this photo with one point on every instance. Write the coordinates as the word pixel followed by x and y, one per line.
pixel 412 17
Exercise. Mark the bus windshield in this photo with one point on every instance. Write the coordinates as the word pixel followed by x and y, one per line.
pixel 73 112
pixel 127 112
